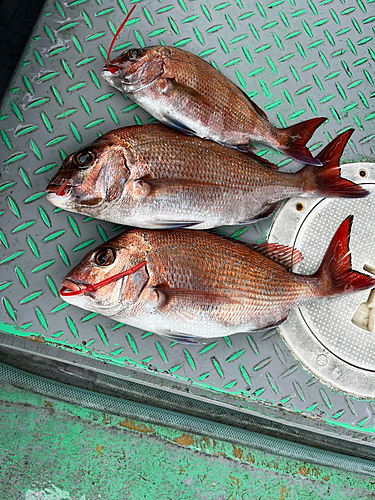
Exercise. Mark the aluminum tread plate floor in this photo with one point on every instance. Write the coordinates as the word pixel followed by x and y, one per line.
pixel 296 60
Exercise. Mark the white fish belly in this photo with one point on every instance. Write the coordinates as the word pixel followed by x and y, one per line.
pixel 198 326
pixel 161 108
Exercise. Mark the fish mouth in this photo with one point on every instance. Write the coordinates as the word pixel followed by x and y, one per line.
pixel 63 189
pixel 128 78
pixel 70 287
pixel 107 72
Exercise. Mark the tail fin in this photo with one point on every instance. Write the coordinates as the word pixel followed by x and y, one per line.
pixel 335 273
pixel 326 181
pixel 295 138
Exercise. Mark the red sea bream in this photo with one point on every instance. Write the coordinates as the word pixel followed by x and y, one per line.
pixel 192 285
pixel 155 177
pixel 187 93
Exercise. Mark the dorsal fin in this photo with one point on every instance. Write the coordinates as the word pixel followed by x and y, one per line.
pixel 256 107
pixel 283 254
pixel 259 110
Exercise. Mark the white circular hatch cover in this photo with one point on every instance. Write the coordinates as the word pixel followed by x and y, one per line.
pixel 333 338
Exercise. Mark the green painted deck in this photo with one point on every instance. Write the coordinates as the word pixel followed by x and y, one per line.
pixel 53 450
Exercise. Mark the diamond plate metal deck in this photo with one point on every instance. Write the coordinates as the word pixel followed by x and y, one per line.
pixel 297 60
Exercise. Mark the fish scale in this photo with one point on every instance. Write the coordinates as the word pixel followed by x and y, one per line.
pixel 231 105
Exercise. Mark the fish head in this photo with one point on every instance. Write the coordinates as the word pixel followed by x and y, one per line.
pixel 90 179
pixel 136 68
pixel 98 267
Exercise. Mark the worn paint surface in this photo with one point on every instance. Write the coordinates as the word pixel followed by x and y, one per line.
pixel 35 337
pixel 51 449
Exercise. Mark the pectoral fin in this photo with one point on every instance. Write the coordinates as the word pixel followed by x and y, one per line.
pixel 186 92
pixel 141 188
pixel 183 293
pixel 181 296
pixel 169 185
pixel 144 187
pixel 181 302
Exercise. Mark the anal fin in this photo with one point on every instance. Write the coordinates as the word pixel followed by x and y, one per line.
pixel 182 338
pixel 269 327
pixel 263 215
pixel 177 125
pixel 171 224
pixel 243 148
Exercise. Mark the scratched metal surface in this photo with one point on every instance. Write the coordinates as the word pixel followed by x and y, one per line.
pixel 297 60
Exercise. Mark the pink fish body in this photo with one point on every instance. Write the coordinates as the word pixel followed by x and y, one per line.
pixel 189 94
pixel 189 285
pixel 155 177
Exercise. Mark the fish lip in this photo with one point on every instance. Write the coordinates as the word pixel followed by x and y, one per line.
pixel 106 69
pixel 124 74
pixel 71 285
pixel 54 188
pixel 75 286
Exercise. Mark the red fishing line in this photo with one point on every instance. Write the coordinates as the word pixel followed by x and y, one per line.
pixel 95 286
pixel 115 68
pixel 61 190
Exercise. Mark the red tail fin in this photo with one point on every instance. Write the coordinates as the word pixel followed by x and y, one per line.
pixel 335 272
pixel 295 138
pixel 326 180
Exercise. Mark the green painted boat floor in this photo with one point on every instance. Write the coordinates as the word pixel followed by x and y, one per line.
pixel 54 450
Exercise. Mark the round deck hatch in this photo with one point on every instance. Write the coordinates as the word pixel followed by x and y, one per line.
pixel 333 338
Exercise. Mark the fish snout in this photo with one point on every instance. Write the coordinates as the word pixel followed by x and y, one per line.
pixel 60 189
pixel 124 71
pixel 115 66
pixel 71 286
pixel 110 69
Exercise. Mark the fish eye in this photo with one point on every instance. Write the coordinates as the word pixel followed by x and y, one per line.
pixel 105 257
pixel 84 159
pixel 135 53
